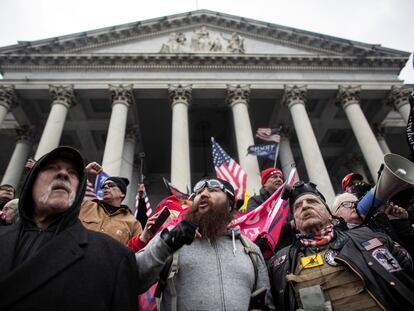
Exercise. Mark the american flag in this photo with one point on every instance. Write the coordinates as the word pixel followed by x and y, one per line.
pixel 147 205
pixel 268 134
pixel 90 193
pixel 229 170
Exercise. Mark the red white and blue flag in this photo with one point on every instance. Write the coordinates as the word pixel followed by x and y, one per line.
pixel 90 193
pixel 229 170
pixel 148 209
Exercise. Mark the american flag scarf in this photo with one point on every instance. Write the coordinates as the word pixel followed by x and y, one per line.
pixel 322 237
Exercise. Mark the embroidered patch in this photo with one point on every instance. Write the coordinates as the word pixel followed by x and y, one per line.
pixel 386 259
pixel 312 261
pixel 371 244
pixel 330 257
pixel 279 261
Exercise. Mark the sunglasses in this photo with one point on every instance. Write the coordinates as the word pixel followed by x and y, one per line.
pixel 109 185
pixel 211 184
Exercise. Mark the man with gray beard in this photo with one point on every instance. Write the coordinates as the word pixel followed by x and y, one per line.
pixel 49 261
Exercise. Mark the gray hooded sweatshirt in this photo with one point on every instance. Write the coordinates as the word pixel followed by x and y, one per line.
pixel 215 275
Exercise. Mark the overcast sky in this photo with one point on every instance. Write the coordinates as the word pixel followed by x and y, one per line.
pixel 386 22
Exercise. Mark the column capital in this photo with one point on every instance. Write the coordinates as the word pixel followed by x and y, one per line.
pixel 238 93
pixel 121 94
pixel 25 133
pixel 180 94
pixel 398 96
pixel 348 95
pixel 132 133
pixel 294 94
pixel 378 130
pixel 8 97
pixel 285 131
pixel 62 94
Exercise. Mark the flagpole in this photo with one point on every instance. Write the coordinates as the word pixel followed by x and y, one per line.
pixel 277 148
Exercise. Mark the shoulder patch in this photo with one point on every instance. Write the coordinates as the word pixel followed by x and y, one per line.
pixel 371 244
pixel 278 261
pixel 330 257
pixel 386 259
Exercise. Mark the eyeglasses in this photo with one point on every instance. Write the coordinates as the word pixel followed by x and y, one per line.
pixel 109 184
pixel 347 204
pixel 211 183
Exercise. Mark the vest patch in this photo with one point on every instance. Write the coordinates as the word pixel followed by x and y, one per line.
pixel 371 244
pixel 330 257
pixel 279 261
pixel 312 261
pixel 386 259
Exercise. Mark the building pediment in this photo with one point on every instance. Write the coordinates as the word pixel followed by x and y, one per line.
pixel 201 32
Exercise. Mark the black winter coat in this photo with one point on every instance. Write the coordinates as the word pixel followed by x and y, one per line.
pixel 393 290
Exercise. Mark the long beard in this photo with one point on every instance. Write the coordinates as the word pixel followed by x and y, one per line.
pixel 212 224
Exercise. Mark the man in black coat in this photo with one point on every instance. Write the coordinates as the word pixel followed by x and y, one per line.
pixel 327 268
pixel 49 261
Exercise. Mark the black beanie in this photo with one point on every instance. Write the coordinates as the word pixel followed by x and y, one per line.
pixel 121 182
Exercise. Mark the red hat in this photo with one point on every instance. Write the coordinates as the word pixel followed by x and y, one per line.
pixel 265 174
pixel 171 202
pixel 348 178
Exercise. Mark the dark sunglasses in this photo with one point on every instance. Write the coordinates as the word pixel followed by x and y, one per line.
pixel 212 184
pixel 109 184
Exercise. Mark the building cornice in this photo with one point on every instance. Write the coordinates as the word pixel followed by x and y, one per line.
pixel 135 31
pixel 188 61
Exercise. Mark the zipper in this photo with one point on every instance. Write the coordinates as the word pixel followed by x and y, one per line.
pixel 220 274
pixel 362 279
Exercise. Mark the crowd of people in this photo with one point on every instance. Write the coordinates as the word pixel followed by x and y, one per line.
pixel 62 252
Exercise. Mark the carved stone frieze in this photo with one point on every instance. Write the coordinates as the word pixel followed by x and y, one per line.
pixel 180 93
pixel 202 42
pixel 238 93
pixel 8 96
pixel 122 93
pixel 63 94
pixel 348 94
pixel 398 96
pixel 294 94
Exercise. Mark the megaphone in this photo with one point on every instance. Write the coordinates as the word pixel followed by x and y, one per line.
pixel 398 175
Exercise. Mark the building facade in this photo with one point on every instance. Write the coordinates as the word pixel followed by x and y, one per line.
pixel 151 94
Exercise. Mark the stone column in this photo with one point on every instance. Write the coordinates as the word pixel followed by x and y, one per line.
pixel 348 97
pixel 294 98
pixel 132 190
pixel 287 160
pixel 180 99
pixel 8 100
pixel 63 98
pixel 128 156
pixel 398 99
pixel 238 98
pixel 122 98
pixel 19 157
pixel 380 135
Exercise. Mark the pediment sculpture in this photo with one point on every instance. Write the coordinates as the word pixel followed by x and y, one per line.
pixel 202 42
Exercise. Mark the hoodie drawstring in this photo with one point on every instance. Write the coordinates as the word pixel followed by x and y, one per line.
pixel 234 242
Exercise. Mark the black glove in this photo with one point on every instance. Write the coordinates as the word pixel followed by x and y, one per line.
pixel 261 241
pixel 181 234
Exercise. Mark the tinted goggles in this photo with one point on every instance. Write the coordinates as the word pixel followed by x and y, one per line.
pixel 109 184
pixel 212 184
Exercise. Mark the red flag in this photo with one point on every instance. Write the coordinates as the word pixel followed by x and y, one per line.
pixel 267 219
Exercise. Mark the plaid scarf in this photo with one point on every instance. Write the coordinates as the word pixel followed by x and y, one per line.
pixel 322 237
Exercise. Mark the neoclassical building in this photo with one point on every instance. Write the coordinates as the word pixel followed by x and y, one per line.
pixel 150 94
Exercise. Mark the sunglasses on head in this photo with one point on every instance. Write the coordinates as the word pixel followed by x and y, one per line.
pixel 212 184
pixel 109 184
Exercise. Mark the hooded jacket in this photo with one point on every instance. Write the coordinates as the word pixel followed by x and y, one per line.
pixel 65 267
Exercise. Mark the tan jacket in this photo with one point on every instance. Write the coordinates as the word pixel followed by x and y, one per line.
pixel 121 225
